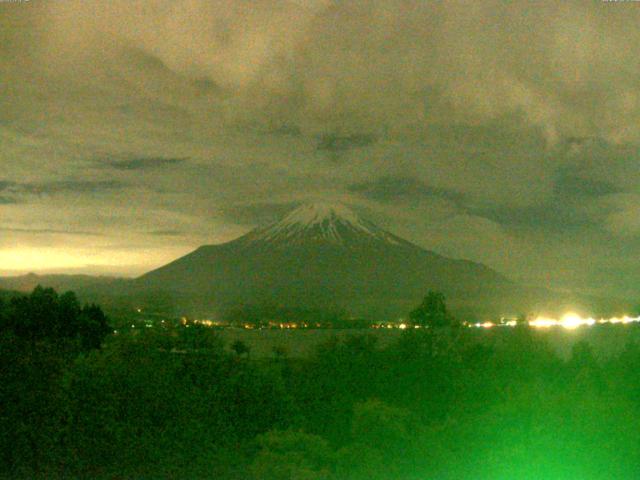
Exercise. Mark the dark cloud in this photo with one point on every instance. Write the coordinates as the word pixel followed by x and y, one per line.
pixel 565 209
pixel 258 213
pixel 395 189
pixel 6 185
pixel 334 143
pixel 599 160
pixel 66 186
pixel 206 86
pixel 50 231
pixel 167 233
pixel 286 129
pixel 552 216
pixel 77 186
pixel 143 163
pixel 570 184
pixel 146 60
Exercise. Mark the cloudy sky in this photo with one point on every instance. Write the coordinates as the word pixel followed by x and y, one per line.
pixel 503 132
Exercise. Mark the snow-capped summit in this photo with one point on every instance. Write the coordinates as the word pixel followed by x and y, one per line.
pixel 314 213
pixel 333 223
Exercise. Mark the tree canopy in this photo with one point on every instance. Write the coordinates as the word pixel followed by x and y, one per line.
pixel 173 402
pixel 46 315
pixel 432 312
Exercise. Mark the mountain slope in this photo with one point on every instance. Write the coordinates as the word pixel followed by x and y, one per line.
pixel 318 256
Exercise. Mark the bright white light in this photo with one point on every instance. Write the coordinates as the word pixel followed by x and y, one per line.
pixel 483 325
pixel 571 321
pixel 543 322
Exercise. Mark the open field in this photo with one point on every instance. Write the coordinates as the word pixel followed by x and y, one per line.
pixel 606 340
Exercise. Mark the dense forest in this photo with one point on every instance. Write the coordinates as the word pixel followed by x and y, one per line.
pixel 78 401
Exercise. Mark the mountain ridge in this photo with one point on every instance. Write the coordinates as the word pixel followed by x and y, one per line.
pixel 317 255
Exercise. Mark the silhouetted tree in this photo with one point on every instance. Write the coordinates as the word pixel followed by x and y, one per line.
pixel 381 444
pixel 41 335
pixel 92 326
pixel 240 348
pixel 432 312
pixel 69 312
pixel 522 320
pixel 279 352
pixel 44 315
pixel 198 337
pixel 287 455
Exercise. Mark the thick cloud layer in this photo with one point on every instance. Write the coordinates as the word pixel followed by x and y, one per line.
pixel 503 132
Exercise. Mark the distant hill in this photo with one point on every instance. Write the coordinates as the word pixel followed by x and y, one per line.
pixel 26 283
pixel 109 292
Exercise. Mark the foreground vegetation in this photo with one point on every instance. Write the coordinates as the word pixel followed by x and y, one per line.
pixel 78 402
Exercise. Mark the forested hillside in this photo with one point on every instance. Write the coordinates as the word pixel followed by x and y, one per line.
pixel 80 402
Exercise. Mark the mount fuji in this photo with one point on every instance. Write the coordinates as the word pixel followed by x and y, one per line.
pixel 317 256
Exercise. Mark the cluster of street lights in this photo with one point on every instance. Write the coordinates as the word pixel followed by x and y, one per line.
pixel 569 321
